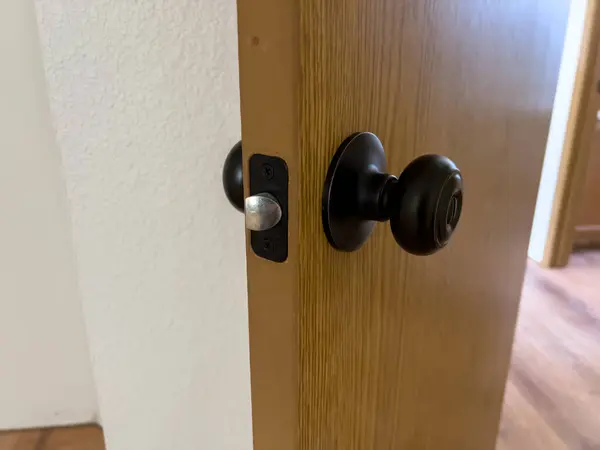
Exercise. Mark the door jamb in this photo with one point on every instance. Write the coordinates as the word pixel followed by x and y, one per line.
pixel 576 148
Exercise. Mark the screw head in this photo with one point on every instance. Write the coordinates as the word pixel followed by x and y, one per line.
pixel 268 171
pixel 268 245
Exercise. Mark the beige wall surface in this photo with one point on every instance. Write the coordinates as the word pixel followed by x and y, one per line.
pixel 144 97
pixel 45 371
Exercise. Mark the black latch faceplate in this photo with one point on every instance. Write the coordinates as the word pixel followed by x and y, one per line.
pixel 269 174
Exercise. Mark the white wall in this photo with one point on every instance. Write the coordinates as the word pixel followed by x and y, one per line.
pixel 558 128
pixel 45 372
pixel 145 102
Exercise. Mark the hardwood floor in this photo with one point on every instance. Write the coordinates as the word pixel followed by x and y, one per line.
pixel 71 438
pixel 552 397
pixel 553 393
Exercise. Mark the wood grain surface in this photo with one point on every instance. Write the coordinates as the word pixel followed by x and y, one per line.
pixel 269 72
pixel 553 393
pixel 378 349
pixel 69 438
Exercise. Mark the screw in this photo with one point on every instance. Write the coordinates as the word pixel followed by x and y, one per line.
pixel 267 245
pixel 268 171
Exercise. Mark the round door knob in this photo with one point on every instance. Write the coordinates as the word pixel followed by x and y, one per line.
pixel 233 177
pixel 262 211
pixel 423 204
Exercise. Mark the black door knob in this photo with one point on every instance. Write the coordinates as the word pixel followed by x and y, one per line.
pixel 262 211
pixel 233 177
pixel 423 204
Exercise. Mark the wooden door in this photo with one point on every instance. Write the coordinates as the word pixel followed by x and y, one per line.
pixel 378 349
pixel 587 228
pixel 587 220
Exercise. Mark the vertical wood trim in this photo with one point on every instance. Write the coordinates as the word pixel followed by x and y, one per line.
pixel 268 37
pixel 576 150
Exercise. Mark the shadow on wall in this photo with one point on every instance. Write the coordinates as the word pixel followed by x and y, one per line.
pixel 46 376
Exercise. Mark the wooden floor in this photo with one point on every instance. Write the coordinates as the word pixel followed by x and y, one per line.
pixel 73 438
pixel 553 392
pixel 552 397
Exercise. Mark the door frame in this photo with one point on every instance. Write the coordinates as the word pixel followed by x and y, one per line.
pixel 576 147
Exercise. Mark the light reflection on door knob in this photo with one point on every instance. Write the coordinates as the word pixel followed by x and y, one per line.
pixel 262 212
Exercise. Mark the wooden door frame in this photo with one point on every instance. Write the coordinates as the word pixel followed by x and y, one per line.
pixel 576 148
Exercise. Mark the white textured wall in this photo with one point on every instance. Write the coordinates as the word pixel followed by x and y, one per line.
pixel 558 129
pixel 145 103
pixel 45 373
